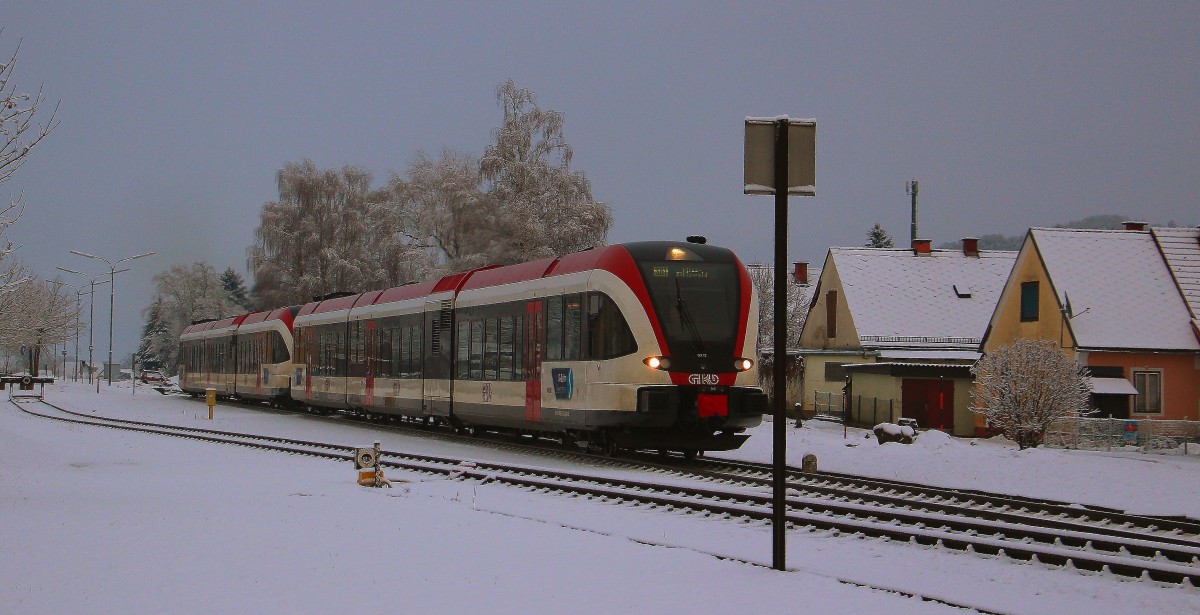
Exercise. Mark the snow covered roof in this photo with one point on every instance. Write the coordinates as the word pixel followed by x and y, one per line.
pixel 1111 386
pixel 898 298
pixel 1181 249
pixel 943 355
pixel 1120 292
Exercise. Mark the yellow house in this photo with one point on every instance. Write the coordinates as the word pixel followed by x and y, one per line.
pixel 921 311
pixel 1121 302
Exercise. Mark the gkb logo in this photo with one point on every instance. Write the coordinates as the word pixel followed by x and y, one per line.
pixel 704 379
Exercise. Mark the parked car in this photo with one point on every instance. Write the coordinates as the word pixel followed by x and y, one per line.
pixel 152 376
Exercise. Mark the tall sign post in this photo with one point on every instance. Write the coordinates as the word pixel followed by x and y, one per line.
pixel 780 160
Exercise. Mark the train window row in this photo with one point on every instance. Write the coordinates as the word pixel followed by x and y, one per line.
pixel 491 342
pixel 256 349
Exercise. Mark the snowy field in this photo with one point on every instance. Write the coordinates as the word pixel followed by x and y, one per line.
pixel 95 520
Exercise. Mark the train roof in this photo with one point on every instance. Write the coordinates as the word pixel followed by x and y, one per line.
pixel 617 258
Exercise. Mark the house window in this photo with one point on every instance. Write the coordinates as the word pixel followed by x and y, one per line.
pixel 1029 301
pixel 835 372
pixel 1149 392
pixel 831 314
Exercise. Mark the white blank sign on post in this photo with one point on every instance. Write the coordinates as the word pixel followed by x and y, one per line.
pixel 760 156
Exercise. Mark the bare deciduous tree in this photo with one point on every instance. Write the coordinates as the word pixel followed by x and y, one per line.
pixel 544 208
pixel 36 313
pixel 329 231
pixel 18 133
pixel 763 278
pixel 184 295
pixel 1022 388
pixel 18 136
pixel 444 211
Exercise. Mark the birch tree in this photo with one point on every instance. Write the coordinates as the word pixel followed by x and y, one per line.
pixel 543 207
pixel 445 212
pixel 328 231
pixel 1022 388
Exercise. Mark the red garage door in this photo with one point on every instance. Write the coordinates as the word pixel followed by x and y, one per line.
pixel 930 401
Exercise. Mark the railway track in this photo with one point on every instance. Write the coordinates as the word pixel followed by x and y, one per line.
pixel 1022 529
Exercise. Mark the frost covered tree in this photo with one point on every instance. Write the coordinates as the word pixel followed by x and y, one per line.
pixel 877 237
pixel 235 288
pixel 763 278
pixel 19 134
pixel 445 211
pixel 159 349
pixel 36 314
pixel 1022 388
pixel 184 295
pixel 543 208
pixel 328 231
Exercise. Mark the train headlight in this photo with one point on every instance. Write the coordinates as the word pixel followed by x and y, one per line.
pixel 742 364
pixel 657 362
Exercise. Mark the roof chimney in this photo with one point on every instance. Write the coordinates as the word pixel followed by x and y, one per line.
pixel 922 246
pixel 800 273
pixel 1134 225
pixel 970 246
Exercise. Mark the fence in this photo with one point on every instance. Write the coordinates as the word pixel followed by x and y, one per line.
pixel 871 411
pixel 828 406
pixel 863 410
pixel 1152 436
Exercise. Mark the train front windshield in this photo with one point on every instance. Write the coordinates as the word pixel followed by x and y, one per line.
pixel 696 301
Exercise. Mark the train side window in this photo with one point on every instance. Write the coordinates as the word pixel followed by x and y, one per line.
pixel 477 350
pixel 463 358
pixel 491 349
pixel 554 323
pixel 573 313
pixel 506 348
pixel 519 348
pixel 383 350
pixel 418 359
pixel 414 351
pixel 608 334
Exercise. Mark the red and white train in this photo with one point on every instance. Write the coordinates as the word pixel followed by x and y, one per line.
pixel 646 345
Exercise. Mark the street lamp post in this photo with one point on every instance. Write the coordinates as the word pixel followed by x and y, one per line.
pixel 112 290
pixel 53 359
pixel 91 318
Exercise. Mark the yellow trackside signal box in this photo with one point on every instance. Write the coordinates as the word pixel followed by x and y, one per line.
pixel 210 398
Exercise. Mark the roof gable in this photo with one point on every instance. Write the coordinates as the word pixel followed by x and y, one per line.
pixel 1120 292
pixel 942 298
pixel 1180 247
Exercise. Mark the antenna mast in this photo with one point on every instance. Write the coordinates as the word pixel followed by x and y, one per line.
pixel 911 189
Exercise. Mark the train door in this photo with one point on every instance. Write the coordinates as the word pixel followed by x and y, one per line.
pixel 436 382
pixel 535 329
pixel 369 393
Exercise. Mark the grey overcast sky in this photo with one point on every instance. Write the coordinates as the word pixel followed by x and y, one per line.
pixel 176 115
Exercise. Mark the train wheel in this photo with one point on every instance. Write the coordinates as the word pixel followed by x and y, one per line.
pixel 689 454
pixel 475 432
pixel 610 448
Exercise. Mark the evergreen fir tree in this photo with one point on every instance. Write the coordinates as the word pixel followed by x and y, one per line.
pixel 879 238
pixel 157 349
pixel 235 289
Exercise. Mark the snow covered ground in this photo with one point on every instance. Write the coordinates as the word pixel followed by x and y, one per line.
pixel 95 520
